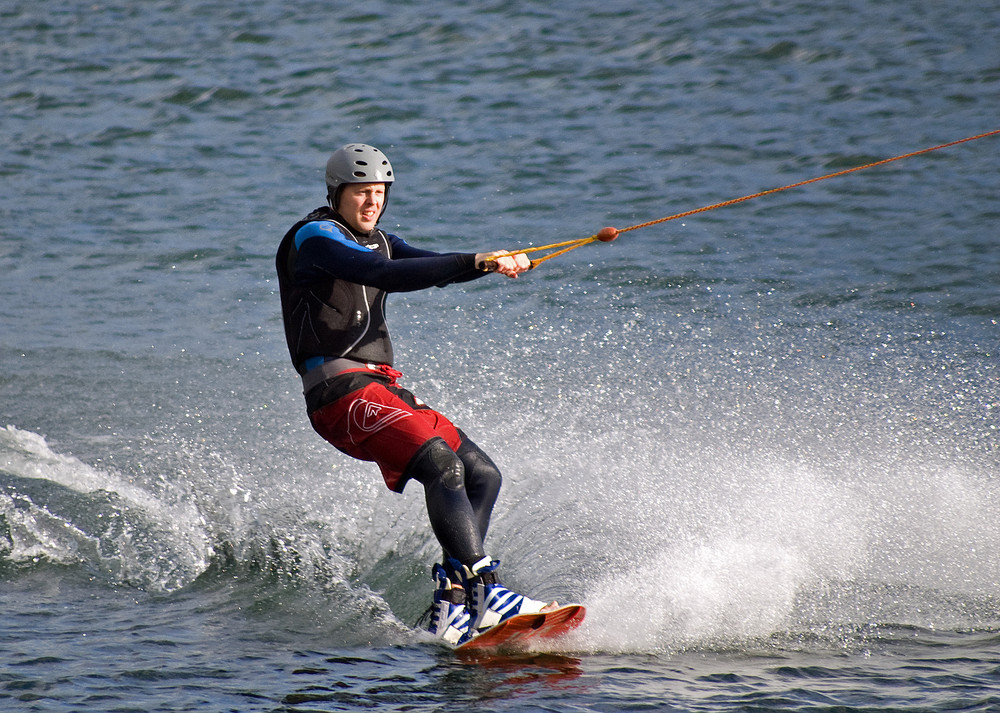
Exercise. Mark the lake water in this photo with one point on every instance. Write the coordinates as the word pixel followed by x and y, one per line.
pixel 759 443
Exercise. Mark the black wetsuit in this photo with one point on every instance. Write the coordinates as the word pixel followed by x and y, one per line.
pixel 333 285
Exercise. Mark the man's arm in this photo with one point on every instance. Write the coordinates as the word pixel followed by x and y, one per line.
pixel 324 252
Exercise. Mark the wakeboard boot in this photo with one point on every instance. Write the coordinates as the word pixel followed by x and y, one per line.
pixel 449 614
pixel 489 602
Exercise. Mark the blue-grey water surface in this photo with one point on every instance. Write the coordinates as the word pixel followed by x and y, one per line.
pixel 760 443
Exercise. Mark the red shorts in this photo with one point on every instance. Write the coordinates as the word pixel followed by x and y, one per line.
pixel 383 423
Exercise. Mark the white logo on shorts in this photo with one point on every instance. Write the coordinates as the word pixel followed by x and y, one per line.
pixel 369 416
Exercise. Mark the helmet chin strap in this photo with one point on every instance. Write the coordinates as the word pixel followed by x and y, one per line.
pixel 335 198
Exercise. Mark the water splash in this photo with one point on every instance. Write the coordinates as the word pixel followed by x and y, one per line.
pixel 58 509
pixel 791 550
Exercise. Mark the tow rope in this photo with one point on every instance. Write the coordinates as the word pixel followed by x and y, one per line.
pixel 566 246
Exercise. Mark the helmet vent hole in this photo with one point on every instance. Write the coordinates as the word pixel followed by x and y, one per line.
pixel 360 174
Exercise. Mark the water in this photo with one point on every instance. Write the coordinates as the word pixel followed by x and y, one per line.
pixel 759 443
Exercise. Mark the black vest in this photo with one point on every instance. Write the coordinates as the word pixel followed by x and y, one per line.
pixel 332 318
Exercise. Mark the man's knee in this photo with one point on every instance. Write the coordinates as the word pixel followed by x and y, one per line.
pixel 479 467
pixel 438 462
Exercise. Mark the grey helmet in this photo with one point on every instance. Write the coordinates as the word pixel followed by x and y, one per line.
pixel 357 163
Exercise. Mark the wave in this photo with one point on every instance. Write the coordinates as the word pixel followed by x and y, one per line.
pixel 173 535
pixel 666 550
pixel 56 509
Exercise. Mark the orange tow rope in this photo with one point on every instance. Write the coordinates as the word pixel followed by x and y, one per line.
pixel 565 247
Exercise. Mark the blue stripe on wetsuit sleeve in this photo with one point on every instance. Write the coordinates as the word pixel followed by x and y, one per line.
pixel 324 229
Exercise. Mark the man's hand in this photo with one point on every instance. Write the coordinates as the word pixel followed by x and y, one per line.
pixel 500 261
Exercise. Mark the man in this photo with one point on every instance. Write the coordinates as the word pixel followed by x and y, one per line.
pixel 335 268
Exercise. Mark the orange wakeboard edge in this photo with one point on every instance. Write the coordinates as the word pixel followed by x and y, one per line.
pixel 522 630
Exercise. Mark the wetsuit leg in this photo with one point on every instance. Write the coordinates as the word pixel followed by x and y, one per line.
pixel 482 482
pixel 452 516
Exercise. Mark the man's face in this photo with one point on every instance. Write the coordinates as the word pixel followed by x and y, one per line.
pixel 361 204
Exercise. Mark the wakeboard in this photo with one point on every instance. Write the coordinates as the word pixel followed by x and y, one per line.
pixel 523 630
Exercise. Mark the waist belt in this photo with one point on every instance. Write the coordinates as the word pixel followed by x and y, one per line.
pixel 331 368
